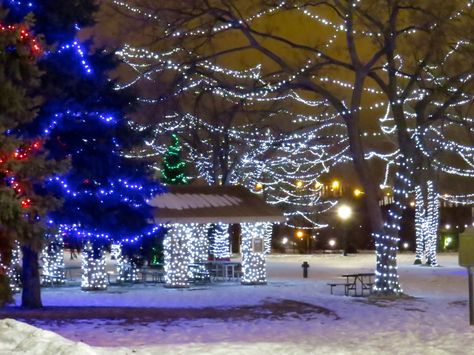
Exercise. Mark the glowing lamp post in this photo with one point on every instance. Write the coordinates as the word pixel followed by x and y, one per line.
pixel 344 212
pixel 300 234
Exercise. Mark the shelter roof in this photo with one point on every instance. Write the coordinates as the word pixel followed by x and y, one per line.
pixel 212 204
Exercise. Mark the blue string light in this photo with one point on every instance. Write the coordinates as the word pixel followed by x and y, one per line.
pixel 80 53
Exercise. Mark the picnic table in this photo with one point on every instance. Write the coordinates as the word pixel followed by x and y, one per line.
pixel 226 269
pixel 68 271
pixel 156 275
pixel 356 283
pixel 218 269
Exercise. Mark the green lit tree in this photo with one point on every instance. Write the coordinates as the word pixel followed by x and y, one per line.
pixel 173 172
pixel 173 168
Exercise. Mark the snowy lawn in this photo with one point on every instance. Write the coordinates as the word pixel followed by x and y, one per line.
pixel 290 315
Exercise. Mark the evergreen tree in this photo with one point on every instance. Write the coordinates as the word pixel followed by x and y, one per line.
pixel 24 166
pixel 173 169
pixel 173 172
pixel 83 118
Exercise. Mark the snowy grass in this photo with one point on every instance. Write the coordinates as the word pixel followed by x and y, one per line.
pixel 290 315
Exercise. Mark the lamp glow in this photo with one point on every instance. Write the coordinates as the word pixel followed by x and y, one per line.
pixel 344 212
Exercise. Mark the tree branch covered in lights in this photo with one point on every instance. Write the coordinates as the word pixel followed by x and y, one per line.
pixel 238 140
pixel 362 65
pixel 242 145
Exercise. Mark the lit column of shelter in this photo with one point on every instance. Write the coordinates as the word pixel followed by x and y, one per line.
pixel 177 255
pixel 254 271
pixel 199 250
pixel 14 269
pixel 53 260
pixel 127 270
pixel 93 268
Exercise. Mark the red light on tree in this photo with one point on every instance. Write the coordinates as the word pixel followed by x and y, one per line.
pixel 26 203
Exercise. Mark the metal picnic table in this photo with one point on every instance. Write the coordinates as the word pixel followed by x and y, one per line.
pixel 359 281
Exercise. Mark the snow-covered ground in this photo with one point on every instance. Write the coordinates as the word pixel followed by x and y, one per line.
pixel 290 315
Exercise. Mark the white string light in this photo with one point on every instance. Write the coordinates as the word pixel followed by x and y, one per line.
pixel 14 269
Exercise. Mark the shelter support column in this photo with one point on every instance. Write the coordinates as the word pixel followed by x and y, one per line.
pixel 254 270
pixel 198 245
pixel 177 256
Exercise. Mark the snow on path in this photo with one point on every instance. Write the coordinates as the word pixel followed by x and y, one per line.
pixel 434 322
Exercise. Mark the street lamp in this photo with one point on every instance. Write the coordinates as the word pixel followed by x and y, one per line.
pixel 301 235
pixel 344 212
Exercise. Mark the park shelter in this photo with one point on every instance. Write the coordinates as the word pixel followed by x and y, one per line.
pixel 189 210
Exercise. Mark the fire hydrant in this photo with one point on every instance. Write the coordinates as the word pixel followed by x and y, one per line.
pixel 305 267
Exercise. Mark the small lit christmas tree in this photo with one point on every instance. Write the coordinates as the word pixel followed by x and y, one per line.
pixel 173 169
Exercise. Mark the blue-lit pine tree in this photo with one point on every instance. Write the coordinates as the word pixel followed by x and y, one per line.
pixel 84 119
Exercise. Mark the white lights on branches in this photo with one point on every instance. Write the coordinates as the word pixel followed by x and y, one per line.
pixel 276 161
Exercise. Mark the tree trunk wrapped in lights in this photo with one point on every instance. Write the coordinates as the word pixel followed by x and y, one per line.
pixel 433 225
pixel 52 256
pixel 253 254
pixel 94 277
pixel 386 245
